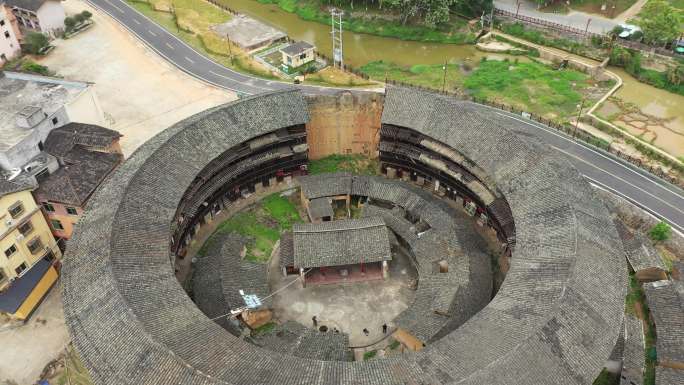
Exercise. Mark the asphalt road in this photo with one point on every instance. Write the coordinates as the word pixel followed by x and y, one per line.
pixel 661 199
pixel 575 19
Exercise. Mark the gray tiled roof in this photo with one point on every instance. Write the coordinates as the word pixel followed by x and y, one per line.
pixel 294 339
pixel 61 140
pixel 669 376
pixel 297 48
pixel 338 243
pixel 640 251
pixel 73 183
pixel 666 302
pixel 633 353
pixel 15 185
pixel 555 319
pixel 320 208
pixel 286 249
pixel 325 185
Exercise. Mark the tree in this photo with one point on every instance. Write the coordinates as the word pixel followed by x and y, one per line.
pixel 86 15
pixel 660 232
pixel 675 74
pixel 35 42
pixel 69 23
pixel 79 17
pixel 660 22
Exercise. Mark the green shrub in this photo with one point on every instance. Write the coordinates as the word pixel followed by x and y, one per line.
pixel 69 23
pixel 29 66
pixel 369 355
pixel 660 232
pixel 35 42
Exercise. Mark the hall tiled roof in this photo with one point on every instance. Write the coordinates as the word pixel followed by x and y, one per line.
pixel 666 301
pixel 341 242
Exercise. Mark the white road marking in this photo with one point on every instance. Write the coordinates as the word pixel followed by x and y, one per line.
pixel 620 179
pixel 151 33
pixel 655 215
pixel 114 6
pixel 169 45
pixel 136 21
pixel 595 152
pixel 190 60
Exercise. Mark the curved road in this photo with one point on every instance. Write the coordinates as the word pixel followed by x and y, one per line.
pixel 661 199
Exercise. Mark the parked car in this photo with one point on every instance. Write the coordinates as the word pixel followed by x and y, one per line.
pixel 629 32
pixel 678 46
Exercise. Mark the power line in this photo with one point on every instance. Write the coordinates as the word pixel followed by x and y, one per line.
pixel 241 309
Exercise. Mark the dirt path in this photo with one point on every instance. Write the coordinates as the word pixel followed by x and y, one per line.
pixel 140 93
pixel 631 11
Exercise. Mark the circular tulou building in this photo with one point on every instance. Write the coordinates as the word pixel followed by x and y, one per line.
pixel 555 318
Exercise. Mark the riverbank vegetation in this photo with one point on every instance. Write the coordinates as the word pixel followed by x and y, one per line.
pixel 671 80
pixel 418 20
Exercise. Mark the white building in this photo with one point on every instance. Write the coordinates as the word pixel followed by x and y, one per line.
pixel 31 107
pixel 46 16
pixel 9 41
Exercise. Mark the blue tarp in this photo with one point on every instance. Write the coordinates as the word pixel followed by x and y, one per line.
pixel 16 294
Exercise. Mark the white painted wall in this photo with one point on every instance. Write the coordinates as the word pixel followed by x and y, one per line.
pixel 51 17
pixel 9 46
pixel 85 108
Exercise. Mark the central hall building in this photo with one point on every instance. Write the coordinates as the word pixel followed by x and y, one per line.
pixel 350 250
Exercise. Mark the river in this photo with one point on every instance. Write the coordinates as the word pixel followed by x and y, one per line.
pixel 360 49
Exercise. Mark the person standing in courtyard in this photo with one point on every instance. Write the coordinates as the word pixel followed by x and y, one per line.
pixel 315 321
pixel 384 328
pixel 365 332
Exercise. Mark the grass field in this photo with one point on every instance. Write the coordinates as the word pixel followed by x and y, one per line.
pixel 431 76
pixel 532 87
pixel 356 164
pixel 262 224
pixel 73 373
pixel 526 85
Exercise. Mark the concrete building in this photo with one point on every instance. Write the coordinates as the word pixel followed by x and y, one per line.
pixel 9 35
pixel 297 54
pixel 46 16
pixel 86 154
pixel 28 266
pixel 31 107
pixel 248 33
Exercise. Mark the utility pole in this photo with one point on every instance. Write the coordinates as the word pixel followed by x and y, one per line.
pixel 175 17
pixel 230 49
pixel 336 18
pixel 579 114
pixel 586 30
pixel 517 9
pixel 444 81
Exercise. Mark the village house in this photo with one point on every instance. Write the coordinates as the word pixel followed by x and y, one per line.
pixel 31 106
pixel 297 54
pixel 9 35
pixel 28 266
pixel 46 16
pixel 87 154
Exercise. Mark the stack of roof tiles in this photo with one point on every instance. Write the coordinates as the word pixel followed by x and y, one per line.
pixel 555 319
